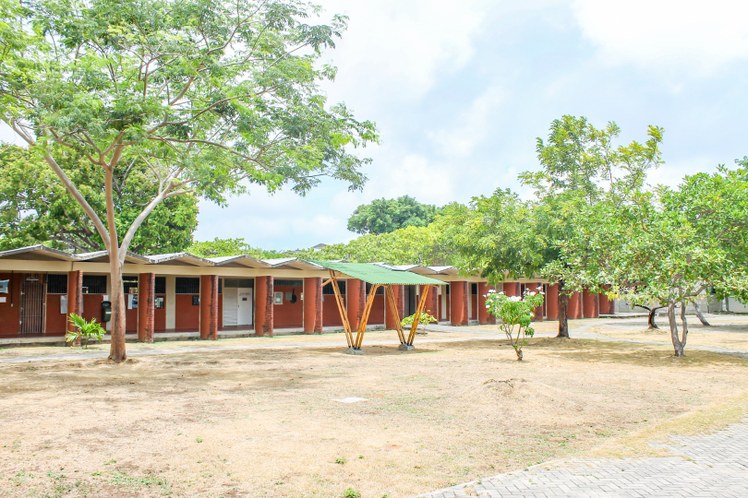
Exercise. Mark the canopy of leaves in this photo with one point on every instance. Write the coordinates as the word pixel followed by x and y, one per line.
pixel 229 247
pixel 36 209
pixel 387 215
pixel 410 245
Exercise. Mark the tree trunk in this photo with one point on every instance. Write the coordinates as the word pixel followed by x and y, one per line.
pixel 651 318
pixel 700 315
pixel 563 311
pixel 678 344
pixel 117 350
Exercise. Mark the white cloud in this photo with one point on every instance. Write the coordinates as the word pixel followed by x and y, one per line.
pixel 667 34
pixel 471 127
pixel 396 51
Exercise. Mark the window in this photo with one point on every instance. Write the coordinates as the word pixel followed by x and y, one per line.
pixel 160 285
pixel 473 289
pixel 130 282
pixel 187 285
pixel 380 291
pixel 288 283
pixel 239 282
pixel 94 284
pixel 57 284
pixel 327 289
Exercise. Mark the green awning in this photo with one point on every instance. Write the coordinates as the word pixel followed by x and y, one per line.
pixel 377 275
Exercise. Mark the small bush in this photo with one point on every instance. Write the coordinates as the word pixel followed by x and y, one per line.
pixel 351 493
pixel 84 330
pixel 424 320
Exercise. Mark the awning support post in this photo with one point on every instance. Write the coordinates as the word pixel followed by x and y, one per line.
pixel 419 311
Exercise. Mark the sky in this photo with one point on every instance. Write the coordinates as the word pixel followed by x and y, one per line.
pixel 460 92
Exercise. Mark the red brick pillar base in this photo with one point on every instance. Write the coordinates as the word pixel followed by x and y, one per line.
pixel 209 307
pixel 264 306
pixel 312 305
pixel 458 296
pixel 146 306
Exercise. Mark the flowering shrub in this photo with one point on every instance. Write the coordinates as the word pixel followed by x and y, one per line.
pixel 515 315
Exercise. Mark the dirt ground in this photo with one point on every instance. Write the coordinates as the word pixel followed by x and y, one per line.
pixel 269 421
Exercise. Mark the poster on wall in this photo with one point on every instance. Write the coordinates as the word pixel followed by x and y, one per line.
pixel 159 302
pixel 132 301
pixel 277 298
pixel 4 286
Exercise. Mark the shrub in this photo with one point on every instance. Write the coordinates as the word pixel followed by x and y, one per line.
pixel 84 330
pixel 424 320
pixel 515 316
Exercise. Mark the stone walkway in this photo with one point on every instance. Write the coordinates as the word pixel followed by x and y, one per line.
pixel 701 466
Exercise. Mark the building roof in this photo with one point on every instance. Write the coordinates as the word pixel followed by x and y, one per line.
pixel 378 275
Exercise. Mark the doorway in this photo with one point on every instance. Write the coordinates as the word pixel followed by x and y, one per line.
pixel 32 304
pixel 237 303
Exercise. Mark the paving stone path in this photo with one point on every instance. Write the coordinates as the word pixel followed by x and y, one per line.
pixel 715 465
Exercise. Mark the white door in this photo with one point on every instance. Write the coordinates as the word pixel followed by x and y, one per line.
pixel 244 306
pixel 230 307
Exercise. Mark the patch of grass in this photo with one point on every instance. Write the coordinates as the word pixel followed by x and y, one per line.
pixel 124 479
pixel 340 460
pixel 351 493
pixel 648 442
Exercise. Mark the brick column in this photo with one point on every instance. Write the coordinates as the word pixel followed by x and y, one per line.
pixel 458 296
pixel 312 305
pixel 533 287
pixel 390 321
pixel 264 306
pixel 551 299
pixel 209 307
pixel 355 298
pixel 75 296
pixel 146 306
pixel 512 288
pixel 606 305
pixel 575 306
pixel 590 305
pixel 432 303
pixel 483 316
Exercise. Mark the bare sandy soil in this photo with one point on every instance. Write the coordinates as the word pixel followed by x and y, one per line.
pixel 269 422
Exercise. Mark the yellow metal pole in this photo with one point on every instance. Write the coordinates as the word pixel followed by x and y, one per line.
pixel 417 318
pixel 392 303
pixel 341 310
pixel 365 316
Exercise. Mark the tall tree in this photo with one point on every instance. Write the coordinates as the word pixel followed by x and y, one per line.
pixel 210 96
pixel 388 215
pixel 35 209
pixel 580 164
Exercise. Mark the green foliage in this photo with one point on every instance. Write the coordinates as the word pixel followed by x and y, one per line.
pixel 84 330
pixel 387 215
pixel 351 493
pixel 230 247
pixel 410 245
pixel 495 236
pixel 205 98
pixel 515 315
pixel 423 320
pixel 35 209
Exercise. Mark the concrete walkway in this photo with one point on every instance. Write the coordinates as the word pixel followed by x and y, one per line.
pixel 714 465
pixel 701 466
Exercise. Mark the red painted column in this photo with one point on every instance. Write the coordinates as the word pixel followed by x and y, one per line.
pixel 355 298
pixel 590 305
pixel 536 287
pixel 432 303
pixel 575 306
pixel 458 296
pixel 551 299
pixel 146 306
pixel 512 288
pixel 483 316
pixel 209 307
pixel 75 295
pixel 312 305
pixel 391 321
pixel 607 306
pixel 264 306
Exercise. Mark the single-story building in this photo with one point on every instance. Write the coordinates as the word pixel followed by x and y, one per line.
pixel 40 287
